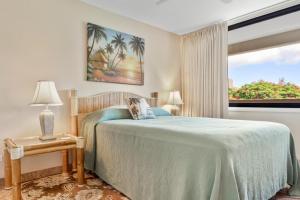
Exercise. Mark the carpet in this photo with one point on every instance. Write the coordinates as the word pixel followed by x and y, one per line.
pixel 59 187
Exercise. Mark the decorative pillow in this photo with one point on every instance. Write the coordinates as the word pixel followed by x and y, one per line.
pixel 139 109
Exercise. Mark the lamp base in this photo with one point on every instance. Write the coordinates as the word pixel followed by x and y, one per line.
pixel 47 124
pixel 47 137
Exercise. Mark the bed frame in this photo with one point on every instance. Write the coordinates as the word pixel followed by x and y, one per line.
pixel 81 106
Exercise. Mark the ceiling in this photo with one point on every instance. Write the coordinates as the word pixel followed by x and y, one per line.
pixel 182 16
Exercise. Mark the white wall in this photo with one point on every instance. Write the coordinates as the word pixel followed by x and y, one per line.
pixel 289 117
pixel 46 40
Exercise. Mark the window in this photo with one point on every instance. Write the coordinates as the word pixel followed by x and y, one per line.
pixel 265 78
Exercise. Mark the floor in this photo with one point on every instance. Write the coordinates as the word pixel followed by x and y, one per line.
pixel 60 187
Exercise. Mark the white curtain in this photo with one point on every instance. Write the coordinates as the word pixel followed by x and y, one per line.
pixel 204 72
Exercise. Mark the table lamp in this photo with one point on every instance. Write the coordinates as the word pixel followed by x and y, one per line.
pixel 46 95
pixel 174 100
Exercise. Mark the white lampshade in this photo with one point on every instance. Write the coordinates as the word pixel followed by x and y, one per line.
pixel 46 94
pixel 174 98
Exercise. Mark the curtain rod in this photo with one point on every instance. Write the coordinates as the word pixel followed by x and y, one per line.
pixel 265 17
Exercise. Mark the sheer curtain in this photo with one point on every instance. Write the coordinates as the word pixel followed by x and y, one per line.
pixel 204 72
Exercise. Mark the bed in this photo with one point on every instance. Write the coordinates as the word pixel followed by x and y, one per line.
pixel 183 158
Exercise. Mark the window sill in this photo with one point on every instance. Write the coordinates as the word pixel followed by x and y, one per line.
pixel 274 110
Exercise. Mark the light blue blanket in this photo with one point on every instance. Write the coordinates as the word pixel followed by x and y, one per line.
pixel 181 158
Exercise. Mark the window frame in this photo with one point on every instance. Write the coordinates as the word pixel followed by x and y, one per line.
pixel 265 104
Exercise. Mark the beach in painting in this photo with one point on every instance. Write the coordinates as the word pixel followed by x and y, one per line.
pixel 114 56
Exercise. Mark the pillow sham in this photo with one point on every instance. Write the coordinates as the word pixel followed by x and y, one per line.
pixel 140 109
pixel 109 113
pixel 158 111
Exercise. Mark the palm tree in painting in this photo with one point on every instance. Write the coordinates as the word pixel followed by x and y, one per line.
pixel 109 50
pixel 97 32
pixel 138 47
pixel 120 44
pixel 121 56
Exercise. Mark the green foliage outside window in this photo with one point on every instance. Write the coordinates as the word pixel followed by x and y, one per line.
pixel 265 90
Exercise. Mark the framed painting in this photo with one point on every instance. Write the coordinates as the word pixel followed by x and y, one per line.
pixel 114 57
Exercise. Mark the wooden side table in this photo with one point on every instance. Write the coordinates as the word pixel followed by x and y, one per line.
pixel 16 149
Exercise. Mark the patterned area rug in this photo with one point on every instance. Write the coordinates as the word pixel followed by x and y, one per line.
pixel 60 187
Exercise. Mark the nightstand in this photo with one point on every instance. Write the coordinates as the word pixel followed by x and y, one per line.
pixel 15 149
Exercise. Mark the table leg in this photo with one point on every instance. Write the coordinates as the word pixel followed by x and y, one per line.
pixel 80 167
pixel 7 170
pixel 16 179
pixel 74 160
pixel 65 161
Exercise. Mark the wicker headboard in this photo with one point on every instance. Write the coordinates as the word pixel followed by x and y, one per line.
pixel 81 106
